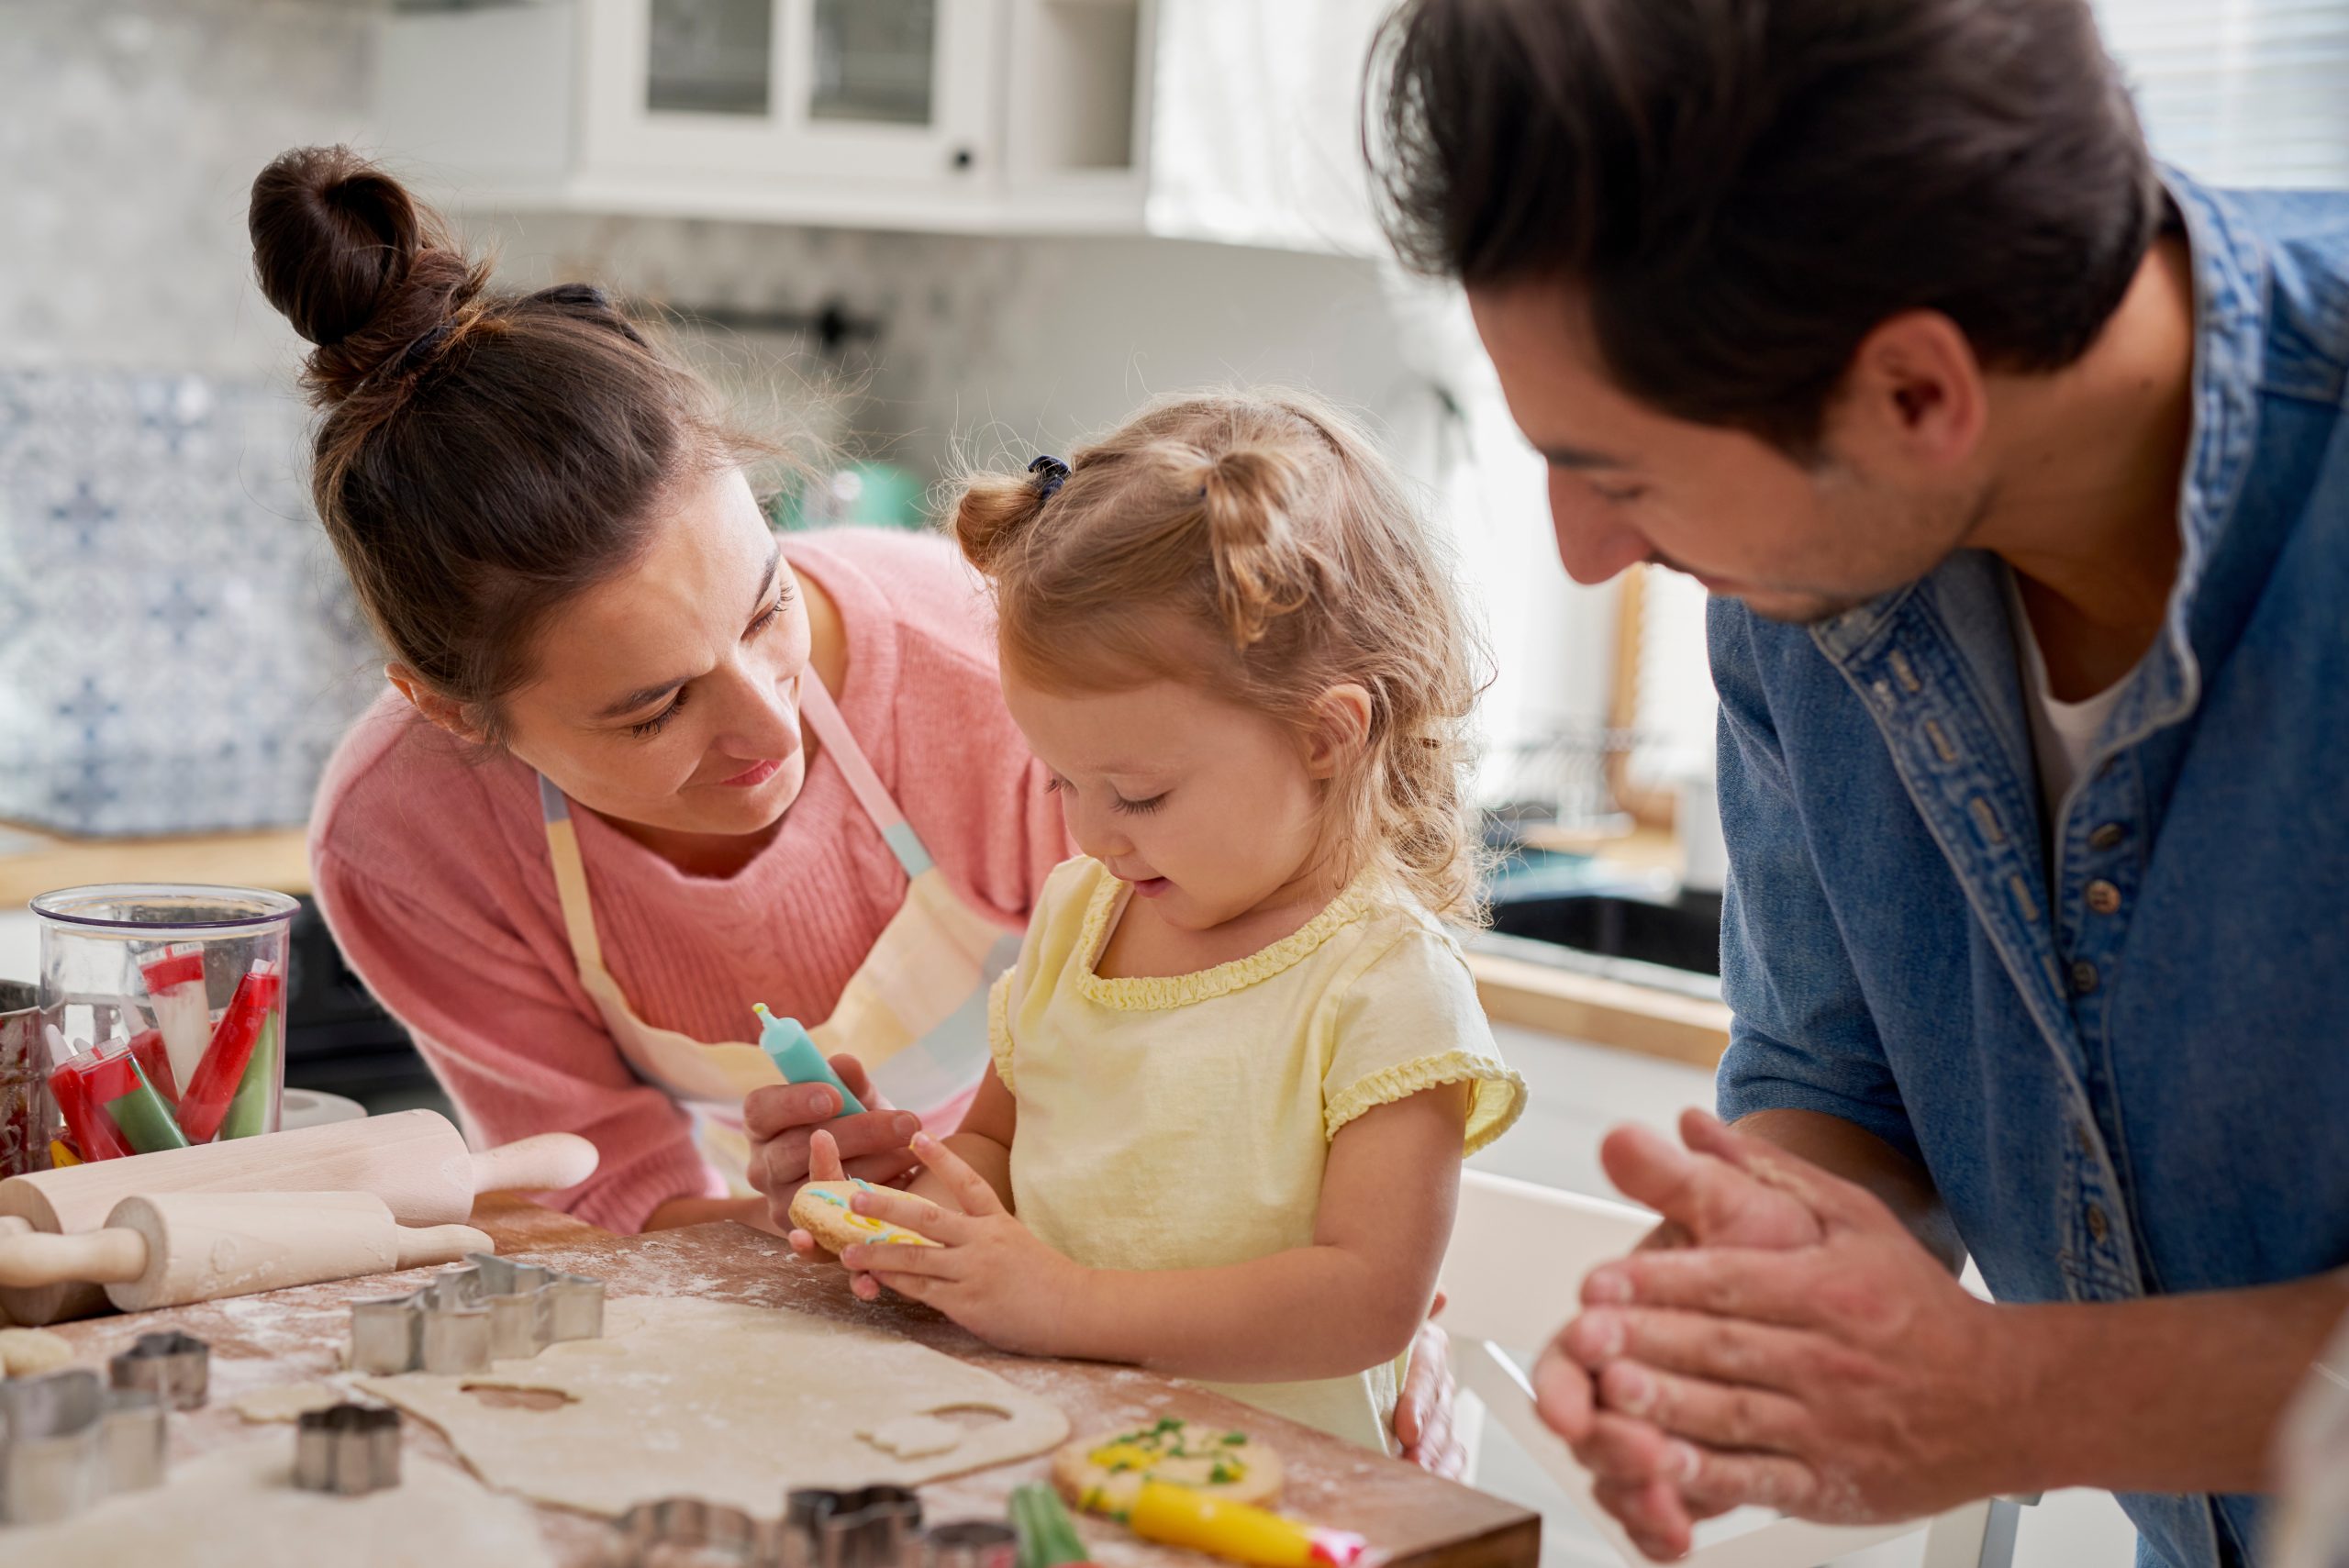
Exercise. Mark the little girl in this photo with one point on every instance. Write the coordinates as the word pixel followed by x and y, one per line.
pixel 1240 1059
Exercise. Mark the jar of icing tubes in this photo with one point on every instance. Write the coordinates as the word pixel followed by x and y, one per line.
pixel 163 1015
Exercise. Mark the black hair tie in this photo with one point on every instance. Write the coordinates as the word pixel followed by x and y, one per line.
pixel 421 349
pixel 1053 474
pixel 588 300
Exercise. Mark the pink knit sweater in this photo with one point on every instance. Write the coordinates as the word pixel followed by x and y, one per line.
pixel 432 869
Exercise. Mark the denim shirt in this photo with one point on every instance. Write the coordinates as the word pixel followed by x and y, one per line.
pixel 2129 1075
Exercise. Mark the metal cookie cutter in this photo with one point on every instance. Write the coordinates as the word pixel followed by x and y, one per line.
pixel 869 1528
pixel 177 1367
pixel 651 1532
pixel 66 1442
pixel 492 1309
pixel 348 1448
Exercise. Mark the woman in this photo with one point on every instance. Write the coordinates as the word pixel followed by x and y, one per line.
pixel 587 829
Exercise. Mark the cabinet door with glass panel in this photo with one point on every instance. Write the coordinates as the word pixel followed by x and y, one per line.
pixel 809 91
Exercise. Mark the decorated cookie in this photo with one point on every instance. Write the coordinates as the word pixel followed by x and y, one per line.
pixel 1103 1474
pixel 821 1210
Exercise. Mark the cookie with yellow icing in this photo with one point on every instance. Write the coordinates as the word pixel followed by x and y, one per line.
pixel 821 1209
pixel 1104 1473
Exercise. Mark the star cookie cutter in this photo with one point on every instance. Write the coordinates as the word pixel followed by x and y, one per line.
pixel 492 1309
pixel 67 1442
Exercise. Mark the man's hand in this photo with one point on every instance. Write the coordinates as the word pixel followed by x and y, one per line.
pixel 1704 1200
pixel 989 1272
pixel 781 1119
pixel 1844 1377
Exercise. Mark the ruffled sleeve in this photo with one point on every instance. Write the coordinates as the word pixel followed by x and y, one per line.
pixel 1410 1023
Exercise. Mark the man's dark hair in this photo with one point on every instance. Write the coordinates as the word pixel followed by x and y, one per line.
pixel 1744 189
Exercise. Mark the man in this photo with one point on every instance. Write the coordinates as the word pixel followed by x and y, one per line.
pixel 2018 471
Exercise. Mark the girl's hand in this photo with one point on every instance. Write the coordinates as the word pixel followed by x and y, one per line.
pixel 989 1272
pixel 824 1165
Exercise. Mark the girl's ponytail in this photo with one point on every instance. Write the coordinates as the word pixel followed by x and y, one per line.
pixel 1263 570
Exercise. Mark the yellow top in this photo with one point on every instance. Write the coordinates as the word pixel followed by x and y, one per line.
pixel 1183 1122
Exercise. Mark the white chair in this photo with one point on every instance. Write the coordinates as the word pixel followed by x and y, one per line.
pixel 1514 1274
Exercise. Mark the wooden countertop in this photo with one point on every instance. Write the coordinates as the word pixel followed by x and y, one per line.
pixel 35 863
pixel 1411 1518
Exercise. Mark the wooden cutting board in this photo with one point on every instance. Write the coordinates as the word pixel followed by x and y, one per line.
pixel 1411 1518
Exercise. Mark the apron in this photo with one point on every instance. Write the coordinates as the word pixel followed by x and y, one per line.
pixel 915 1013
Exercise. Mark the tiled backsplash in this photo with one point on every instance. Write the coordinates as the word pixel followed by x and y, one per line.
pixel 179 652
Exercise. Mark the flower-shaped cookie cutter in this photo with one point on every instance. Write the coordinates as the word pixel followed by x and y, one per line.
pixel 176 1367
pixel 492 1309
pixel 347 1449
pixel 67 1442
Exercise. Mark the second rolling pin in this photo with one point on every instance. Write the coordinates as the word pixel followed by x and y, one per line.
pixel 170 1249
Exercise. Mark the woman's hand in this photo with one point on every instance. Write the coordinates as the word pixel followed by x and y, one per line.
pixel 988 1271
pixel 782 1120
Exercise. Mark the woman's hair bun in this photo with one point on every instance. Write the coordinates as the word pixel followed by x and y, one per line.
pixel 356 264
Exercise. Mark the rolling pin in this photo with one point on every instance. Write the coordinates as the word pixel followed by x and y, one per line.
pixel 415 1161
pixel 170 1249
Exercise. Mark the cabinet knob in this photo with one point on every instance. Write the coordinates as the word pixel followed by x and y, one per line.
pixel 963 160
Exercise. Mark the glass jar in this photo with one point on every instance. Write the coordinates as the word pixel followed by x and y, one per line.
pixel 164 1014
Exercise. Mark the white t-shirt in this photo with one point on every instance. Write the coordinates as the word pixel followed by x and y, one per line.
pixel 2061 732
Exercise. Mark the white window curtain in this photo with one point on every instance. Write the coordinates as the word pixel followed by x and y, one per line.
pixel 2239 91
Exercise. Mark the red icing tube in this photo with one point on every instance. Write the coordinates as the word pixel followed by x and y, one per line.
pixel 215 1084
pixel 147 1046
pixel 95 1137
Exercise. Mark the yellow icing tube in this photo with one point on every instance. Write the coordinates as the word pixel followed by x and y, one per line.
pixel 1236 1532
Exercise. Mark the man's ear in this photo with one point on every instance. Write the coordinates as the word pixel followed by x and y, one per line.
pixel 1914 397
pixel 1341 728
pixel 446 712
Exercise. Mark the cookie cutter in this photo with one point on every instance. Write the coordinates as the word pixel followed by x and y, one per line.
pixel 67 1442
pixel 871 1527
pixel 649 1532
pixel 347 1449
pixel 176 1366
pixel 972 1543
pixel 492 1309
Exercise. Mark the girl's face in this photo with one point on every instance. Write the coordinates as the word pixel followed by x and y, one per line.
pixel 667 697
pixel 1208 809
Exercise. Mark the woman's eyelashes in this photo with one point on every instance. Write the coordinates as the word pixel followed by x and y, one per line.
pixel 647 729
pixel 771 614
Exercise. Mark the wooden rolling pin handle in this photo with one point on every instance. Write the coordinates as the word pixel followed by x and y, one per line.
pixel 93 1257
pixel 549 1162
pixel 423 1244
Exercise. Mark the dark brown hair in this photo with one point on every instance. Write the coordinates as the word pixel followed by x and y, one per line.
pixel 1743 189
pixel 483 456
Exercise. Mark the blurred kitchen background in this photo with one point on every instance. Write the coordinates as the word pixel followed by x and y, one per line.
pixel 905 233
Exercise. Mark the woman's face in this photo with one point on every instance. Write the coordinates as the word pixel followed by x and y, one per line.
pixel 668 695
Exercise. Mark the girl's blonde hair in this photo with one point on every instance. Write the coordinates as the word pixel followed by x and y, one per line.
pixel 1257 544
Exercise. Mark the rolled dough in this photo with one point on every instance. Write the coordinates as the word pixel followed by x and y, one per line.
pixel 237 1507
pixel 733 1404
pixel 27 1353
pixel 290 1401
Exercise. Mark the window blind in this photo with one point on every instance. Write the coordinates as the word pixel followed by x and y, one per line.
pixel 2239 91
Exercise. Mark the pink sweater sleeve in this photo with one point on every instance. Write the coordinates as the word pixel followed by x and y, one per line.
pixel 513 1051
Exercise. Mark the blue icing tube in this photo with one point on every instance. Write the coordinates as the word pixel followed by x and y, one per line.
pixel 797 1057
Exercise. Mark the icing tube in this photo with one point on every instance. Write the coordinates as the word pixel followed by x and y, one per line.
pixel 226 1061
pixel 154 1060
pixel 252 1111
pixel 175 989
pixel 1180 1516
pixel 795 1057
pixel 119 1089
pixel 95 1137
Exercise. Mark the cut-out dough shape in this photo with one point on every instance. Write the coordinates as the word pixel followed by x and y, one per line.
pixel 728 1403
pixel 914 1437
pixel 290 1402
pixel 28 1353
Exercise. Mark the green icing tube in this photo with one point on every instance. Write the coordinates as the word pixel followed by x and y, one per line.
pixel 145 1120
pixel 257 1090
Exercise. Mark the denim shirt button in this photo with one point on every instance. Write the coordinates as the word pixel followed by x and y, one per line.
pixel 2083 977
pixel 2080 1136
pixel 2098 1227
pixel 2103 897
pixel 2108 837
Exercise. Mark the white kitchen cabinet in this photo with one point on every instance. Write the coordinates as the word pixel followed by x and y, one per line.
pixel 998 115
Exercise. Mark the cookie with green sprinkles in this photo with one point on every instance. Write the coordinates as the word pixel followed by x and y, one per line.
pixel 1103 1473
